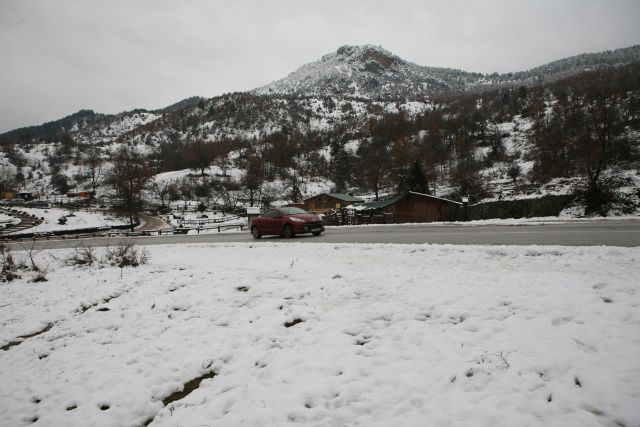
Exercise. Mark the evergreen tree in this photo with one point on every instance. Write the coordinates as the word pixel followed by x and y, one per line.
pixel 416 180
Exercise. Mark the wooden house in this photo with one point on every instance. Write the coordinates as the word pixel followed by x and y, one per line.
pixel 8 194
pixel 416 207
pixel 326 202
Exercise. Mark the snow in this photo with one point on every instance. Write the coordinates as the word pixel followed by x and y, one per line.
pixel 124 123
pixel 7 218
pixel 316 186
pixel 389 335
pixel 79 220
pixel 348 72
pixel 174 176
pixel 352 146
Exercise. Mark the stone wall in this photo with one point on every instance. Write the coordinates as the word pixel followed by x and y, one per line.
pixel 522 208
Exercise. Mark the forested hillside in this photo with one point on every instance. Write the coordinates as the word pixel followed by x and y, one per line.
pixel 578 134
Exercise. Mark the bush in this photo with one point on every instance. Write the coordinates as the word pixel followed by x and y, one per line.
pixel 9 270
pixel 126 254
pixel 32 254
pixel 82 255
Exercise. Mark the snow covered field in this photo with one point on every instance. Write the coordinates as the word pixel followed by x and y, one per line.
pixel 79 220
pixel 6 219
pixel 326 335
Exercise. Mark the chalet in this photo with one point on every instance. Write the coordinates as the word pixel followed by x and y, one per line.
pixel 415 207
pixel 8 194
pixel 325 202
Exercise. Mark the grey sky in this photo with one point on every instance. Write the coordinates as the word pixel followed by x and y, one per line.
pixel 61 56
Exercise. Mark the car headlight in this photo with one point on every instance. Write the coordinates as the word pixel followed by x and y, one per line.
pixel 297 219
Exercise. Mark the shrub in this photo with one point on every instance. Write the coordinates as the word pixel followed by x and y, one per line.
pixel 82 255
pixel 126 254
pixel 9 270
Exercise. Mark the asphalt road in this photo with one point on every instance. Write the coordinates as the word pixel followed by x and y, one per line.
pixel 588 233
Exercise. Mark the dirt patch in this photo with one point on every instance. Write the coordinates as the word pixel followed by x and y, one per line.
pixel 292 323
pixel 83 308
pixel 187 389
pixel 22 338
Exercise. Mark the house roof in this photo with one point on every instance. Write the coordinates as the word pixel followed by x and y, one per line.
pixel 385 202
pixel 391 200
pixel 339 196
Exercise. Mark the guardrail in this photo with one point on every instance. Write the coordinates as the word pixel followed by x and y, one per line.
pixel 185 230
pixel 64 234
pixel 204 221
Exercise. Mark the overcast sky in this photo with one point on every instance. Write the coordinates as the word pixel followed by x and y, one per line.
pixel 60 56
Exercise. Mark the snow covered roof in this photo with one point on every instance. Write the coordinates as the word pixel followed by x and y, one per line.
pixel 394 199
pixel 339 196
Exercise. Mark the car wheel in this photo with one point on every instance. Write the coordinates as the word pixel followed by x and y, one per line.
pixel 316 233
pixel 288 231
pixel 256 233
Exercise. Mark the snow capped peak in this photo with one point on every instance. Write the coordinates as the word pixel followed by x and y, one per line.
pixel 365 54
pixel 370 71
pixel 366 71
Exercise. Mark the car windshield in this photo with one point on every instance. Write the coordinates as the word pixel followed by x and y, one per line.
pixel 292 211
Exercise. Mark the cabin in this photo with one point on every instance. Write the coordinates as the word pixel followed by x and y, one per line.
pixel 8 194
pixel 326 202
pixel 81 194
pixel 26 196
pixel 415 207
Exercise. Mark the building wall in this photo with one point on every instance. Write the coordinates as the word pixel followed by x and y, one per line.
pixel 8 195
pixel 323 203
pixel 416 208
pixel 524 208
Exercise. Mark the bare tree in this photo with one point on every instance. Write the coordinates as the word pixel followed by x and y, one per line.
pixel 200 155
pixel 129 178
pixel 601 113
pixel 254 178
pixel 94 169
pixel 161 189
pixel 374 162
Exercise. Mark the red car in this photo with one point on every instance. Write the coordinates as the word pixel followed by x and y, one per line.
pixel 286 222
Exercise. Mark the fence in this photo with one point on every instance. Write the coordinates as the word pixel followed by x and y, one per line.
pixel 346 217
pixel 550 205
pixel 200 222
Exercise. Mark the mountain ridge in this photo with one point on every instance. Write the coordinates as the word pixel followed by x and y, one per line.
pixel 372 71
pixel 365 71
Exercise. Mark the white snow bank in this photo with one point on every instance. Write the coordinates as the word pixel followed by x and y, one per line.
pixel 387 335
pixel 5 219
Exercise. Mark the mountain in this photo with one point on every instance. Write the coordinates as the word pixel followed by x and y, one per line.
pixel 53 129
pixel 180 105
pixel 369 72
pixel 576 64
pixel 356 119
pixel 362 73
pixel 372 72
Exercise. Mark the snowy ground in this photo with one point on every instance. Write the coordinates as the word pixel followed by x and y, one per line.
pixel 7 219
pixel 326 335
pixel 79 220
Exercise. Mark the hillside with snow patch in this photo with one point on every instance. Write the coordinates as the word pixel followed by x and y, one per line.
pixel 316 126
